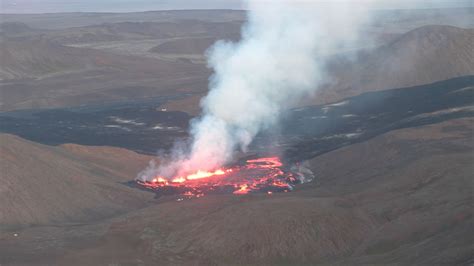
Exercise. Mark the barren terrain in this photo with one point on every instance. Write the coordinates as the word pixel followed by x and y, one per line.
pixel 359 211
pixel 87 100
pixel 67 184
pixel 156 53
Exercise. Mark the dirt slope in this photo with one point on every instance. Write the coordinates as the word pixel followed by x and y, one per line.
pixel 43 184
pixel 44 74
pixel 421 56
pixel 35 59
pixel 417 184
pixel 29 59
pixel 185 46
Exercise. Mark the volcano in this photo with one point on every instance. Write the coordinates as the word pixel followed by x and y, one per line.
pixel 265 175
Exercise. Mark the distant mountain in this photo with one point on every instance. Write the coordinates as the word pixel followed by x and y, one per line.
pixel 70 183
pixel 26 59
pixel 121 31
pixel 421 56
pixel 80 19
pixel 46 74
pixel 14 28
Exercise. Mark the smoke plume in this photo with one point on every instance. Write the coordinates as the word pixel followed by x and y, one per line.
pixel 279 59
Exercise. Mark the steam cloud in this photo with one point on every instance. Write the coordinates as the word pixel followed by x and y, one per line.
pixel 279 59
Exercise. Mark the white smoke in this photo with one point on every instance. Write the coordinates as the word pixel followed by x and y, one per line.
pixel 279 59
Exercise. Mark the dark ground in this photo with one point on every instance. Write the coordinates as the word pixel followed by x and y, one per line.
pixel 304 132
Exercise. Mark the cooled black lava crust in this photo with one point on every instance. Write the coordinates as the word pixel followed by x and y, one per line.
pixel 303 133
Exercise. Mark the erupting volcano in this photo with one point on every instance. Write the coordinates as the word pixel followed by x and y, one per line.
pixel 266 175
pixel 277 62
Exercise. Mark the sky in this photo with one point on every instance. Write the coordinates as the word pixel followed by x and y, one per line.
pixel 53 6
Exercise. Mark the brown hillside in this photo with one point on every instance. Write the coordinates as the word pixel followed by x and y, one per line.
pixel 185 46
pixel 421 56
pixel 43 184
pixel 28 59
pixel 140 31
pixel 35 59
pixel 44 74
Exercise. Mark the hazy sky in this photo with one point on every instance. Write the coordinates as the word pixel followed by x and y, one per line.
pixel 46 6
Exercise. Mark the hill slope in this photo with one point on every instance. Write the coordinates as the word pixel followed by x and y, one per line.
pixel 71 183
pixel 421 56
pixel 25 60
pixel 185 46
pixel 29 59
pixel 44 74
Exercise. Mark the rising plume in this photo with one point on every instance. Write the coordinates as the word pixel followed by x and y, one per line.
pixel 279 59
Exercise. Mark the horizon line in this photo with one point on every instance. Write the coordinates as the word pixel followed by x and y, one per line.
pixel 203 9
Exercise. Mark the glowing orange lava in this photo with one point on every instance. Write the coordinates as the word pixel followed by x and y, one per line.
pixel 244 189
pixel 203 174
pixel 257 175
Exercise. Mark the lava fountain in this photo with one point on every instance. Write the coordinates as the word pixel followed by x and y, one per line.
pixel 267 175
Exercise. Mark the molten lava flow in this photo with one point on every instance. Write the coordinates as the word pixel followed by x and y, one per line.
pixel 258 175
pixel 203 174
